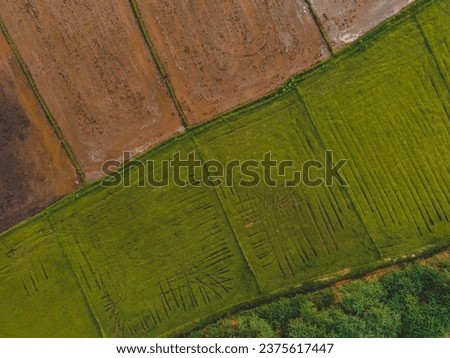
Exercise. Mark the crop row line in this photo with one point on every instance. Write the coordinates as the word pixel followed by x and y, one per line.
pixel 229 224
pixel 343 190
pixel 77 280
pixel 432 54
pixel 320 26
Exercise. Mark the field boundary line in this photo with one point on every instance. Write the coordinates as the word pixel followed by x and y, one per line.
pixel 313 285
pixel 343 190
pixel 231 114
pixel 340 54
pixel 138 16
pixel 43 104
pixel 230 225
pixel 319 24
pixel 83 292
pixel 431 52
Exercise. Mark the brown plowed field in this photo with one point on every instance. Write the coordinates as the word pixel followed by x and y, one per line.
pixel 34 168
pixel 346 20
pixel 91 65
pixel 219 54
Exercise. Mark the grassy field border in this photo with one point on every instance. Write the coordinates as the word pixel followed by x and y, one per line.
pixel 342 189
pixel 432 53
pixel 397 266
pixel 70 264
pixel 313 285
pixel 247 261
pixel 319 24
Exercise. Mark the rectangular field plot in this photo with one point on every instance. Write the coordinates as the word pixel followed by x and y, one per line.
pixel 288 234
pixel 35 171
pixel 384 109
pixel 220 54
pixel 95 72
pixel 39 293
pixel 152 259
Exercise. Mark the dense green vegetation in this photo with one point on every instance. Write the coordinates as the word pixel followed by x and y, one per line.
pixel 409 302
pixel 437 16
pixel 288 234
pixel 147 261
pixel 387 109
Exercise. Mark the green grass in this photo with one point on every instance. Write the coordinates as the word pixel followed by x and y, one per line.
pixel 142 261
pixel 39 293
pixel 437 16
pixel 385 108
pixel 289 234
pixel 150 259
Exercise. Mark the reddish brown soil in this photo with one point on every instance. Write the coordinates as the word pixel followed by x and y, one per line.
pixel 427 261
pixel 91 65
pixel 34 168
pixel 376 274
pixel 220 54
pixel 346 20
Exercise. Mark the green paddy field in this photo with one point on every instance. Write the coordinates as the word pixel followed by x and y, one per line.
pixel 146 261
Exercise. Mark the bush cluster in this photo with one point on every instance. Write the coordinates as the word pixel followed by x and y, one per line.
pixel 410 302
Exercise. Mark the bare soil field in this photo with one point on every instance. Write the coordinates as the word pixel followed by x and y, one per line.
pixel 34 168
pixel 94 70
pixel 222 54
pixel 346 20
